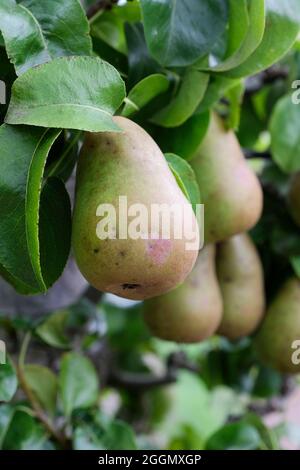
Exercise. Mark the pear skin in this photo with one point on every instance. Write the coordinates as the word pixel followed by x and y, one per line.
pixel 129 163
pixel 192 312
pixel 280 329
pixel 241 279
pixel 294 198
pixel 230 191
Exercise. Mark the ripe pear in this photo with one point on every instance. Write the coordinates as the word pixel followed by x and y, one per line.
pixel 294 198
pixel 231 193
pixel 241 279
pixel 277 341
pixel 192 312
pixel 130 164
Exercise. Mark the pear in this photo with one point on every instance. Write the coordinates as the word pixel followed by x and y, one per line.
pixel 241 279
pixel 231 193
pixel 130 165
pixel 294 198
pixel 192 312
pixel 280 330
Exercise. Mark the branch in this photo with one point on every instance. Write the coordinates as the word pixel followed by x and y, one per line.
pixel 100 5
pixel 39 412
pixel 135 381
pixel 251 154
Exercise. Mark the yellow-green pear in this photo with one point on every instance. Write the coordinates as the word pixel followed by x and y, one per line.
pixel 126 251
pixel 192 312
pixel 294 198
pixel 241 279
pixel 278 340
pixel 230 191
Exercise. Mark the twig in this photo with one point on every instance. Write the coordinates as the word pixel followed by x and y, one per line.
pixel 135 381
pixel 251 154
pixel 100 5
pixel 39 412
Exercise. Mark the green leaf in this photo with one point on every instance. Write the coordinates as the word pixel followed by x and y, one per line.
pixel 252 39
pixel 52 330
pixel 141 64
pixel 36 32
pixel 33 248
pixel 8 382
pixel 217 88
pixel 234 436
pixel 116 435
pixel 179 32
pixel 143 92
pixel 185 139
pixel 119 436
pixel 24 433
pixel 78 382
pixel 235 97
pixel 43 383
pixel 285 134
pixel 6 415
pixel 109 26
pixel 295 262
pixel 190 94
pixel 281 31
pixel 238 24
pixel 74 93
pixel 185 177
pixel 85 437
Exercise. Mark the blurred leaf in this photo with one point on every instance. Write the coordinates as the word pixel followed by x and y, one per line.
pixel 185 177
pixel 190 406
pixel 282 27
pixel 184 104
pixel 6 415
pixel 295 262
pixel 185 139
pixel 86 438
pixel 8 381
pixel 143 92
pixel 119 436
pixel 115 435
pixel 268 383
pixel 36 32
pixel 24 433
pixel 52 330
pixel 37 100
pixel 78 383
pixel 178 33
pixel 43 383
pixel 266 435
pixel 235 436
pixel 285 134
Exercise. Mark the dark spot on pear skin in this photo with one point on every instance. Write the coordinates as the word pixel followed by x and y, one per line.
pixel 130 286
pixel 123 253
pixel 96 250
